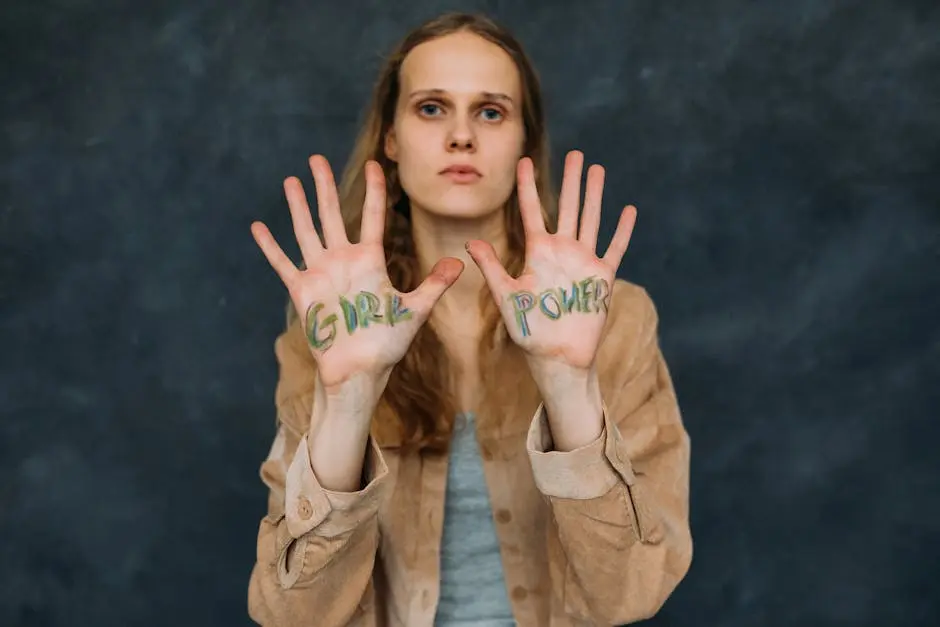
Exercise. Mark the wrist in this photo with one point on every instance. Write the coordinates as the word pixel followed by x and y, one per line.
pixel 350 403
pixel 573 406
pixel 577 397
pixel 363 382
pixel 339 430
pixel 554 378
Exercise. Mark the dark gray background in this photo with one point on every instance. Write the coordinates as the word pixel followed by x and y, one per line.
pixel 784 158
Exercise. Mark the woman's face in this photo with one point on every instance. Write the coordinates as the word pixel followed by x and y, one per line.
pixel 460 105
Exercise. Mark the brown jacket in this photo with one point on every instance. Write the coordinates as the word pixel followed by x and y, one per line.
pixel 595 536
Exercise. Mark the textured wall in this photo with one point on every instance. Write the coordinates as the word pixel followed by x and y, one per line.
pixel 784 158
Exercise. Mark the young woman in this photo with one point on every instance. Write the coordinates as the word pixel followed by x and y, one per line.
pixel 499 442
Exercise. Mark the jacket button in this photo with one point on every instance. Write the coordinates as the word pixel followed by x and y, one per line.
pixel 519 593
pixel 304 509
pixel 503 516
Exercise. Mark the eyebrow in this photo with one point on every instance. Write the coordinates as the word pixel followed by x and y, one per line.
pixel 489 95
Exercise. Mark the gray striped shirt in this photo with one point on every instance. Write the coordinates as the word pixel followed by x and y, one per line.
pixel 473 591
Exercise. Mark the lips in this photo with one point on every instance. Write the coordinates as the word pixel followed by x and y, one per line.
pixel 465 170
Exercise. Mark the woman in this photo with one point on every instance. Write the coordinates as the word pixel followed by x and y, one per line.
pixel 498 443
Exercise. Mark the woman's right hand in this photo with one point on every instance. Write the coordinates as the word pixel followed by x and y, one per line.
pixel 355 322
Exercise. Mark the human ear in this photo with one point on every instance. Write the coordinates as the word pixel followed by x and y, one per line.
pixel 391 145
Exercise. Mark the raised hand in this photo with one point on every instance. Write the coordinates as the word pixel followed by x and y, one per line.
pixel 556 310
pixel 354 319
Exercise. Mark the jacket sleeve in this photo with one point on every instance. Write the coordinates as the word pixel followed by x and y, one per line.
pixel 316 548
pixel 620 504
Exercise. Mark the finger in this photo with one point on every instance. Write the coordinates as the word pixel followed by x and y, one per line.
pixel 373 210
pixel 569 200
pixel 304 231
pixel 486 259
pixel 334 233
pixel 621 239
pixel 591 216
pixel 444 273
pixel 529 204
pixel 281 263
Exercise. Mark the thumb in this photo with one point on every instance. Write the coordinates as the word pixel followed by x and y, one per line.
pixel 488 261
pixel 442 276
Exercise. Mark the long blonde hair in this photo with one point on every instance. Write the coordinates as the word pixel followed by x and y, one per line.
pixel 419 394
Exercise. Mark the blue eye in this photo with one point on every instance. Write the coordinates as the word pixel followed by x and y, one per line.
pixel 424 108
pixel 498 115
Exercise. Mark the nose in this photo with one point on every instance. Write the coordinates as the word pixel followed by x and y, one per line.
pixel 461 138
pixel 461 143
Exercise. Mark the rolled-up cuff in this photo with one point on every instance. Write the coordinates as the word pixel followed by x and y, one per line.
pixel 583 473
pixel 309 506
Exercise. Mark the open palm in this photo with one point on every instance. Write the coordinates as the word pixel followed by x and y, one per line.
pixel 557 308
pixel 354 319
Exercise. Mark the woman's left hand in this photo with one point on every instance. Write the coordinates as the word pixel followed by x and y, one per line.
pixel 556 310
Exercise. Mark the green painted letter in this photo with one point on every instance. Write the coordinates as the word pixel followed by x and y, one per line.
pixel 313 328
pixel 522 302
